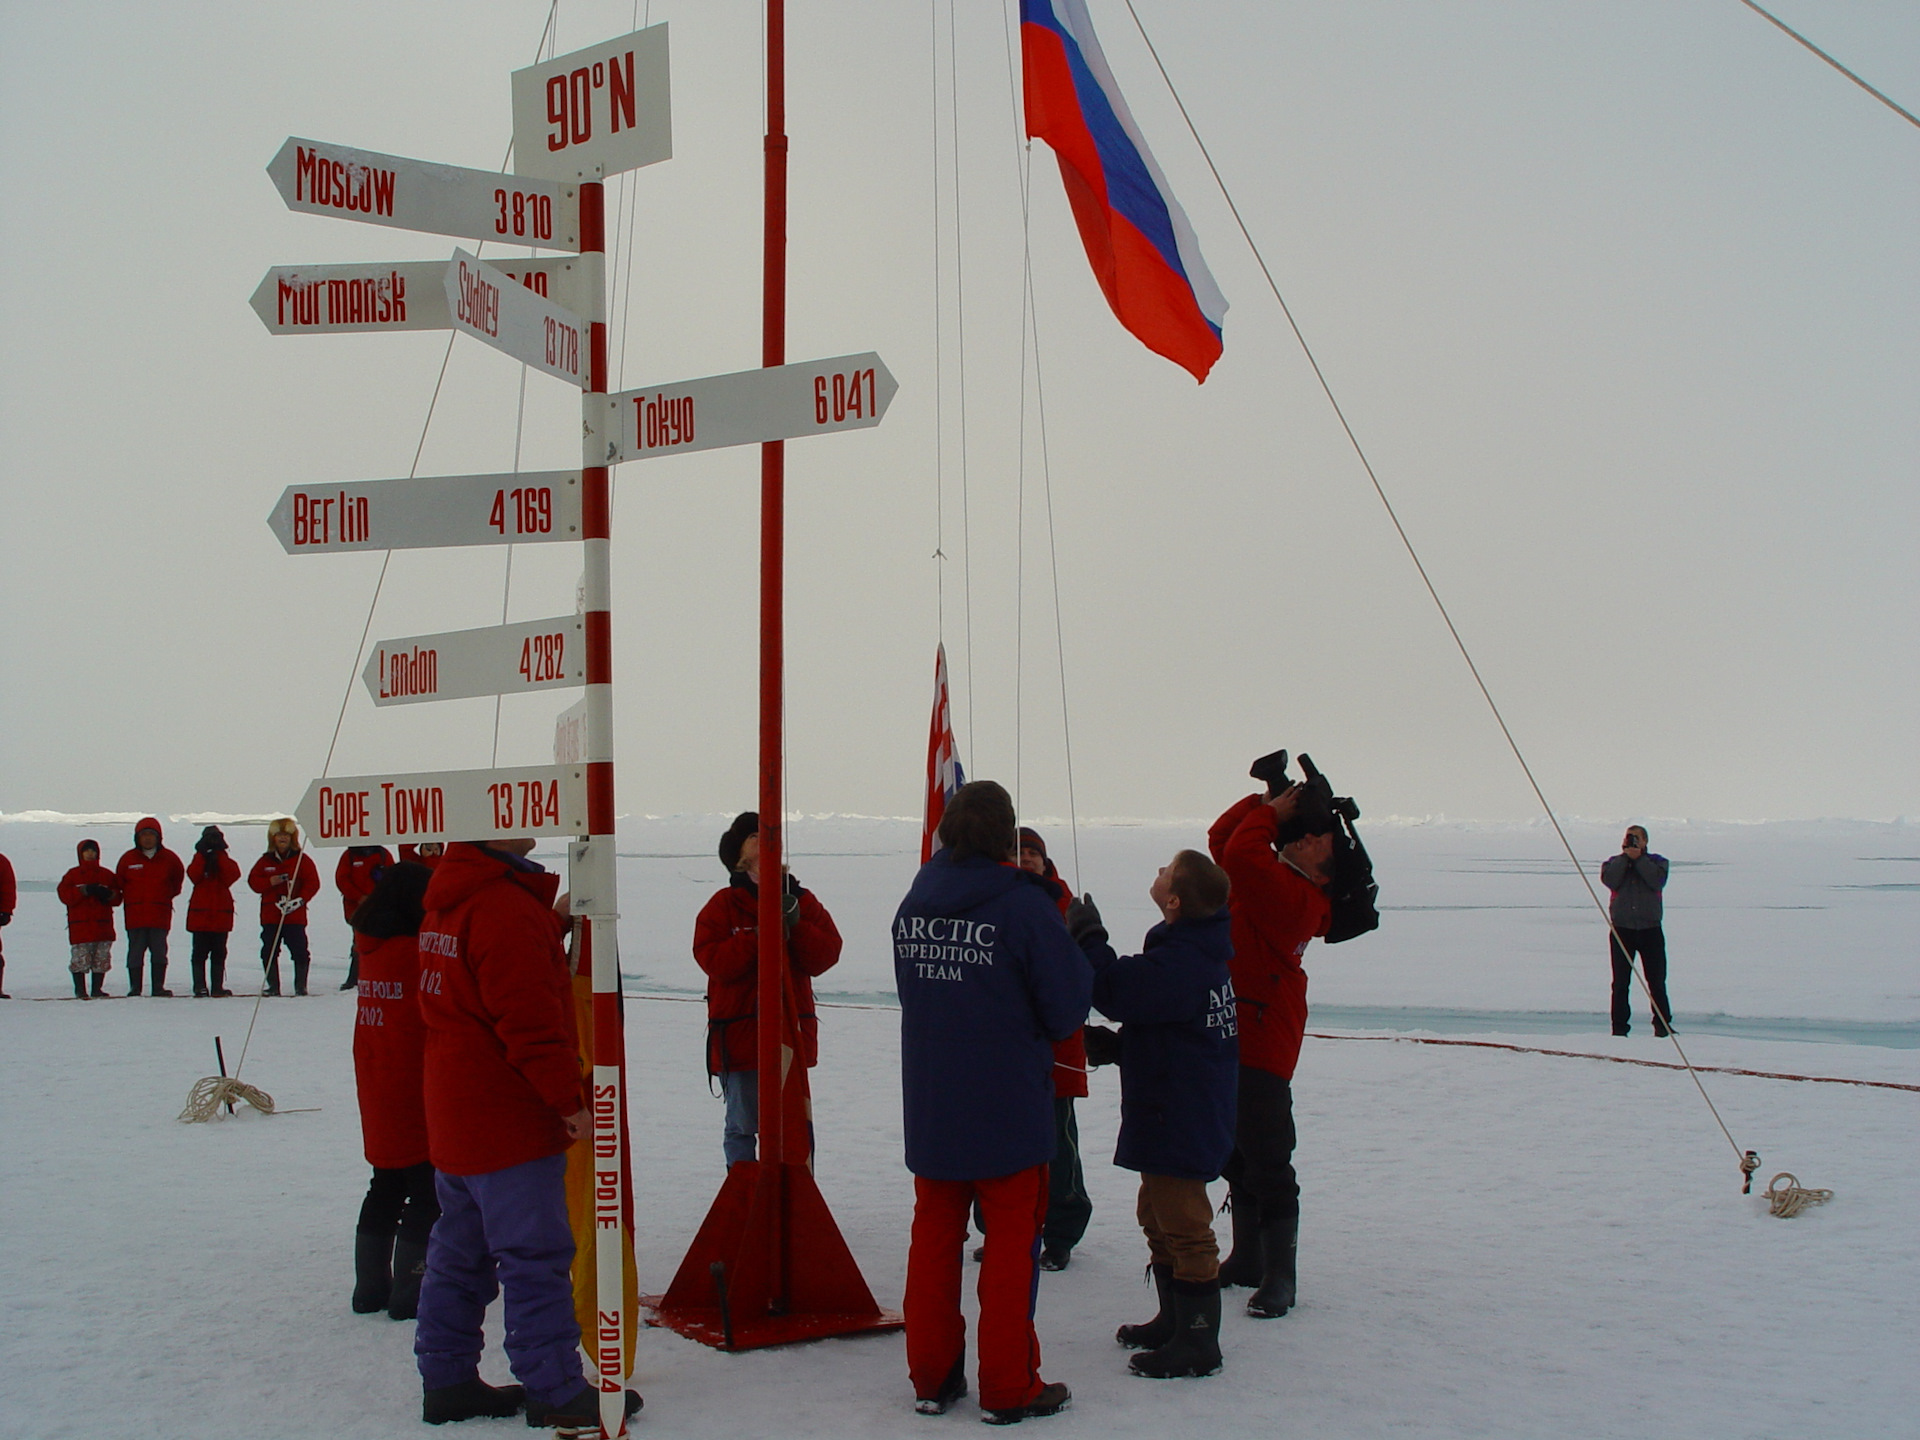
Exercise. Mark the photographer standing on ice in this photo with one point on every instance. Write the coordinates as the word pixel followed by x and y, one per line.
pixel 1276 849
pixel 1637 880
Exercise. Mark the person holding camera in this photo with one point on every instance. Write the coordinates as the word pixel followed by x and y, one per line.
pixel 988 979
pixel 1179 1074
pixel 1277 849
pixel 1637 880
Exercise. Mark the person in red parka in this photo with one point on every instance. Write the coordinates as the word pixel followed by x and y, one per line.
pixel 212 873
pixel 1069 1207
pixel 150 876
pixel 9 897
pixel 726 944
pixel 354 877
pixel 504 1099
pixel 389 1059
pixel 1275 849
pixel 285 880
pixel 89 891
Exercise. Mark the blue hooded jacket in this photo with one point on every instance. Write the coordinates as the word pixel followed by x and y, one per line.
pixel 988 979
pixel 1179 1046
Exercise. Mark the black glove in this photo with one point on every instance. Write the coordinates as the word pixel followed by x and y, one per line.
pixel 1103 1046
pixel 1083 920
pixel 6 917
pixel 97 892
pixel 790 909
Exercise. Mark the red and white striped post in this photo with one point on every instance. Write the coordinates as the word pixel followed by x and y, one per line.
pixel 593 870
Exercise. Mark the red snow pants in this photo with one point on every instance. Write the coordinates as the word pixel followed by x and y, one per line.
pixel 1013 1206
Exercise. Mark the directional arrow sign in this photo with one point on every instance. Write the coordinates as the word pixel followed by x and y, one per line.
pixel 429 512
pixel 783 402
pixel 409 295
pixel 496 660
pixel 446 805
pixel 491 306
pixel 596 112
pixel 419 195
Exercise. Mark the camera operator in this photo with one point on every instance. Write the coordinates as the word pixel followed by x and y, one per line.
pixel 1637 880
pixel 1276 849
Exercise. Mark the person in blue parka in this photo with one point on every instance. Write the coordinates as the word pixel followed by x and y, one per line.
pixel 988 979
pixel 1179 1076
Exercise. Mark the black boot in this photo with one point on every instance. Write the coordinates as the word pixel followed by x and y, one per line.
pixel 409 1269
pixel 1195 1346
pixel 79 986
pixel 1279 1242
pixel 1242 1265
pixel 1157 1331
pixel 952 1389
pixel 373 1272
pixel 100 985
pixel 578 1411
pixel 470 1400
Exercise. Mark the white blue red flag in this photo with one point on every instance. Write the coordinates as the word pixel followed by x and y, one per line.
pixel 1143 251
pixel 944 775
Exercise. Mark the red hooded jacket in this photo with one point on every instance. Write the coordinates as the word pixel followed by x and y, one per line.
pixel 1276 911
pixel 9 891
pixel 1070 1054
pixel 210 904
pixel 88 920
pixel 354 876
pixel 502 1060
pixel 149 883
pixel 726 943
pixel 389 1052
pixel 306 884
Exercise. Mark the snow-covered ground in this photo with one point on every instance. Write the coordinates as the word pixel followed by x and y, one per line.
pixel 1493 1244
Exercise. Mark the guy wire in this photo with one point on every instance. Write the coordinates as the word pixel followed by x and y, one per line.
pixel 1412 554
pixel 1786 29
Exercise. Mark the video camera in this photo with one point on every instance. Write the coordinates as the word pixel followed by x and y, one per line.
pixel 1351 890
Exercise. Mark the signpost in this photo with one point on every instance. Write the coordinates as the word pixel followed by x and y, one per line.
pixel 429 512
pixel 405 295
pixel 570 734
pixel 499 804
pixel 752 407
pixel 596 112
pixel 497 310
pixel 463 664
pixel 419 195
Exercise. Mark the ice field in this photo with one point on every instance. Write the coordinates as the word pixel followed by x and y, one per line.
pixel 1492 1244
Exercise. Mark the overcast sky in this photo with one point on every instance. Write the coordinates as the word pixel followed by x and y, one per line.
pixel 1623 299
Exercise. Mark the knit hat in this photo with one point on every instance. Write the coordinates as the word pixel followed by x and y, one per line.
pixel 746 823
pixel 1030 840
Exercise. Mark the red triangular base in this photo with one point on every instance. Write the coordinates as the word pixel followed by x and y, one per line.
pixel 772 1246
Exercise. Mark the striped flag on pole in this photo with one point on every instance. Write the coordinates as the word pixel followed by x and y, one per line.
pixel 944 775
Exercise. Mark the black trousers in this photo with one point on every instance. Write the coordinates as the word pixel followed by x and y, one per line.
pixel 1651 946
pixel 146 942
pixel 209 961
pixel 293 939
pixel 400 1203
pixel 1069 1207
pixel 1263 1138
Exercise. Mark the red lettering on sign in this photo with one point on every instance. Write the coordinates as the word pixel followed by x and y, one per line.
pixel 532 214
pixel 408 672
pixel 408 810
pixel 479 304
pixel 622 94
pixel 339 186
pixel 343 813
pixel 661 421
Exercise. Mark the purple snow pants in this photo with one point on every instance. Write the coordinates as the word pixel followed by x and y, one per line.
pixel 505 1230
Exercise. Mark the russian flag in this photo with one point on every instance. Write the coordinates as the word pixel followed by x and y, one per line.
pixel 1143 251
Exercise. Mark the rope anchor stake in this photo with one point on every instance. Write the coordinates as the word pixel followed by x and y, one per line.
pixel 1749 1163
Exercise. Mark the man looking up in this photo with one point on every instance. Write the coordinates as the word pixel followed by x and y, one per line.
pixel 1275 849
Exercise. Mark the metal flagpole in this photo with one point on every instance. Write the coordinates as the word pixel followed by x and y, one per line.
pixel 773 959
pixel 592 862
